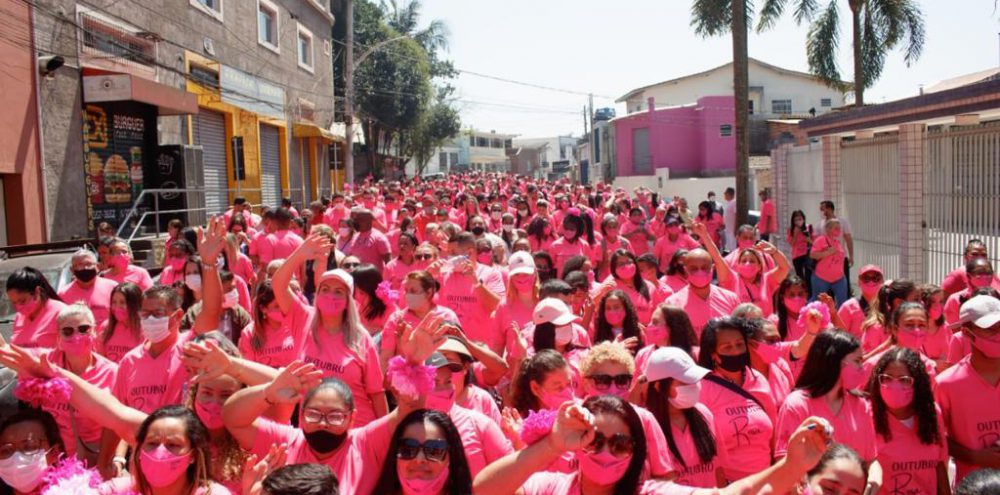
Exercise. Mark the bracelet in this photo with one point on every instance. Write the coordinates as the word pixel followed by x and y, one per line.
pixel 206 266
pixel 119 459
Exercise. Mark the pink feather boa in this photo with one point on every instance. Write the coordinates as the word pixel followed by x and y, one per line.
pixel 410 380
pixel 537 425
pixel 821 308
pixel 43 393
pixel 386 294
pixel 70 477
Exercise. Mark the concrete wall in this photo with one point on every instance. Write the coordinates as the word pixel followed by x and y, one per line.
pixel 804 92
pixel 694 190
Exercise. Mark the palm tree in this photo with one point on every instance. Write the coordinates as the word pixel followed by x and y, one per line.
pixel 716 18
pixel 877 26
pixel 404 18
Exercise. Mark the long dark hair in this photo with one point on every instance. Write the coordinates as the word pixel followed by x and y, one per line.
pixel 609 404
pixel 923 396
pixel 630 327
pixel 675 262
pixel 544 338
pixel 576 223
pixel 534 369
pixel 536 229
pixel 366 279
pixel 822 367
pixel 133 303
pixel 637 281
pixel 658 403
pixel 574 264
pixel 197 435
pixel 28 279
pixel 459 476
pixel 710 338
pixel 779 301
pixel 791 223
pixel 679 327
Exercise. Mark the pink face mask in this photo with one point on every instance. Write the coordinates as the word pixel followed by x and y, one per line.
pixel 935 312
pixel 417 486
pixel 744 244
pixel 328 304
pixel 119 261
pixel 912 338
pixel 895 395
pixel 656 333
pixel 603 468
pixel 485 258
pixel 989 347
pixel 748 270
pixel 626 271
pixel 78 344
pixel 980 281
pixel 795 304
pixel 553 401
pixel 869 289
pixel 161 468
pixel 210 414
pixel 524 284
pixel 615 316
pixel 177 264
pixel 769 353
pixel 26 308
pixel 441 400
pixel 121 314
pixel 851 376
pixel 700 278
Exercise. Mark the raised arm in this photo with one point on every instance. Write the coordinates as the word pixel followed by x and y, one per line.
pixel 722 270
pixel 495 367
pixel 781 264
pixel 211 243
pixel 242 411
pixel 313 246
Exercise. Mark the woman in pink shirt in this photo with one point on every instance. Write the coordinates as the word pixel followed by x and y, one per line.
pixel 397 269
pixel 754 284
pixel 425 457
pixel 855 310
pixel 572 243
pixel 890 296
pixel 334 339
pixel 769 359
pixel 419 299
pixel 829 256
pixel 649 270
pixel 712 220
pixel 792 295
pixel 627 279
pixel 239 263
pixel 669 326
pixel 912 448
pixel 616 321
pixel 907 329
pixel 540 234
pixel 37 306
pixel 674 240
pixel 373 309
pixel 120 267
pixel 173 263
pixel 31 446
pixel 473 366
pixel 799 236
pixel 696 457
pixel 544 381
pixel 938 335
pixel 122 332
pixel 611 242
pixel 270 339
pixel 522 296
pixel 827 388
pixel 674 276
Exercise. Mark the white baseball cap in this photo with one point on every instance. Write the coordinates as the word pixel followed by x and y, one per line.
pixel 337 274
pixel 552 310
pixel 673 362
pixel 981 311
pixel 521 262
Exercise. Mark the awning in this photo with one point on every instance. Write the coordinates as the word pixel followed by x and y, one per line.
pixel 126 87
pixel 302 130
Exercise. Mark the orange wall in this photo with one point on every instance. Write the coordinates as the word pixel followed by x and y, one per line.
pixel 20 148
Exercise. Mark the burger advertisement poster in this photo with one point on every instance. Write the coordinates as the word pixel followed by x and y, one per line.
pixel 118 138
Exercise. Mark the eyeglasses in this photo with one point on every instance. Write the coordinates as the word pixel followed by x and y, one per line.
pixel 455 367
pixel 434 450
pixel 619 444
pixel 348 266
pixel 28 446
pixel 602 382
pixel 68 331
pixel 332 418
pixel 423 257
pixel 906 381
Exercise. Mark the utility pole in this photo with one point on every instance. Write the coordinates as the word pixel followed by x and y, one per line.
pixel 349 93
pixel 741 81
pixel 590 138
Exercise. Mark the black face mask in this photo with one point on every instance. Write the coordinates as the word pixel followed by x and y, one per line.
pixel 323 441
pixel 85 275
pixel 478 231
pixel 734 363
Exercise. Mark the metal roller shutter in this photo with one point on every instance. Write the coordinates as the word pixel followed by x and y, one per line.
pixel 270 166
pixel 210 133
pixel 298 162
pixel 307 179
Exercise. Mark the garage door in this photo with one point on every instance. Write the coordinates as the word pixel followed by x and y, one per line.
pixel 307 175
pixel 270 166
pixel 210 133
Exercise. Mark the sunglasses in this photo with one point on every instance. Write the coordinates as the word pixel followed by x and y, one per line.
pixel 619 444
pixel 602 382
pixel 455 367
pixel 434 450
pixel 348 266
pixel 68 331
pixel 423 257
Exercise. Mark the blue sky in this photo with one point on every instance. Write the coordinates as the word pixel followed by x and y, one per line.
pixel 610 47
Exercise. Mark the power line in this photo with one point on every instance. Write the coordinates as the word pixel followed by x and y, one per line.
pixel 532 85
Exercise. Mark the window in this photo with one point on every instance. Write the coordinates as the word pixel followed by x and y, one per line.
pixel 453 157
pixel 305 44
pixel 725 130
pixel 267 24
pixel 105 39
pixel 781 107
pixel 211 7
pixel 750 107
pixel 826 102
pixel 443 160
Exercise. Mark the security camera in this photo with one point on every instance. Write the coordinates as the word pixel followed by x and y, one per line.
pixel 49 63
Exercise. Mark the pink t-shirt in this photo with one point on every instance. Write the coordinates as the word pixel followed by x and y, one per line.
pixel 126 486
pixel 971 410
pixel 334 215
pixel 958 281
pixel 277 246
pixel 953 304
pixel 959 347
pixel 605 248
pixel 549 483
pixel 831 268
pixel 100 374
pixel 768 223
pixel 135 274
pixel 391 331
pixel 799 242
pixel 562 250
pixel 359 368
pixel 732 259
pixel 851 314
pixel 40 331
pixel 909 465
pixel 395 271
pixel 852 426
pixel 873 336
pixel 690 469
pixel 760 293
pixel 370 247
pixel 279 347
pixel 720 302
pixel 781 378
pixel 482 402
pixel 665 248
pixel 147 383
pixel 870 363
pixel 355 462
pixel 675 282
pixel 643 306
pixel 743 428
pixel 457 293
pixel 244 267
pixel 937 344
pixel 483 441
pixel 636 235
pixel 97 297
pixel 657 453
pixel 121 342
pixel 505 315
pixel 168 276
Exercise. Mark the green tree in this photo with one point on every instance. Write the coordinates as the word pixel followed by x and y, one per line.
pixel 439 123
pixel 877 27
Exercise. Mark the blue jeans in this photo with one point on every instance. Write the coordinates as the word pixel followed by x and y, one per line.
pixel 839 289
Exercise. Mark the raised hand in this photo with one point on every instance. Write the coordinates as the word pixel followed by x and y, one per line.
pixel 24 362
pixel 316 247
pixel 254 470
pixel 292 383
pixel 520 344
pixel 212 239
pixel 208 359
pixel 808 443
pixel 766 247
pixel 573 429
pixel 418 343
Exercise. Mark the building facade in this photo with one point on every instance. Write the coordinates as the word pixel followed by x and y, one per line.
pixel 557 158
pixel 470 150
pixel 221 97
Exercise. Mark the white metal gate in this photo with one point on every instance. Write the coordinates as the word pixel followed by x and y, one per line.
pixel 805 183
pixel 270 166
pixel 870 174
pixel 210 133
pixel 961 195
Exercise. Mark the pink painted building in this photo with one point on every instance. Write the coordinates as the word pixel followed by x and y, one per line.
pixel 692 140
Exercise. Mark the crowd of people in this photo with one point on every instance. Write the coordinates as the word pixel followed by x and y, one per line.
pixel 493 334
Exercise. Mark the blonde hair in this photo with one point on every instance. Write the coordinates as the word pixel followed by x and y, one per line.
pixel 606 352
pixel 76 309
pixel 352 329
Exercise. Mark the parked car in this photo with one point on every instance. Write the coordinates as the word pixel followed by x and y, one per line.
pixel 54 265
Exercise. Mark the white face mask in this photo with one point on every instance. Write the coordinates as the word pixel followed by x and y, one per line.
pixel 230 299
pixel 156 329
pixel 414 301
pixel 564 335
pixel 345 231
pixel 508 227
pixel 687 396
pixel 193 282
pixel 23 471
